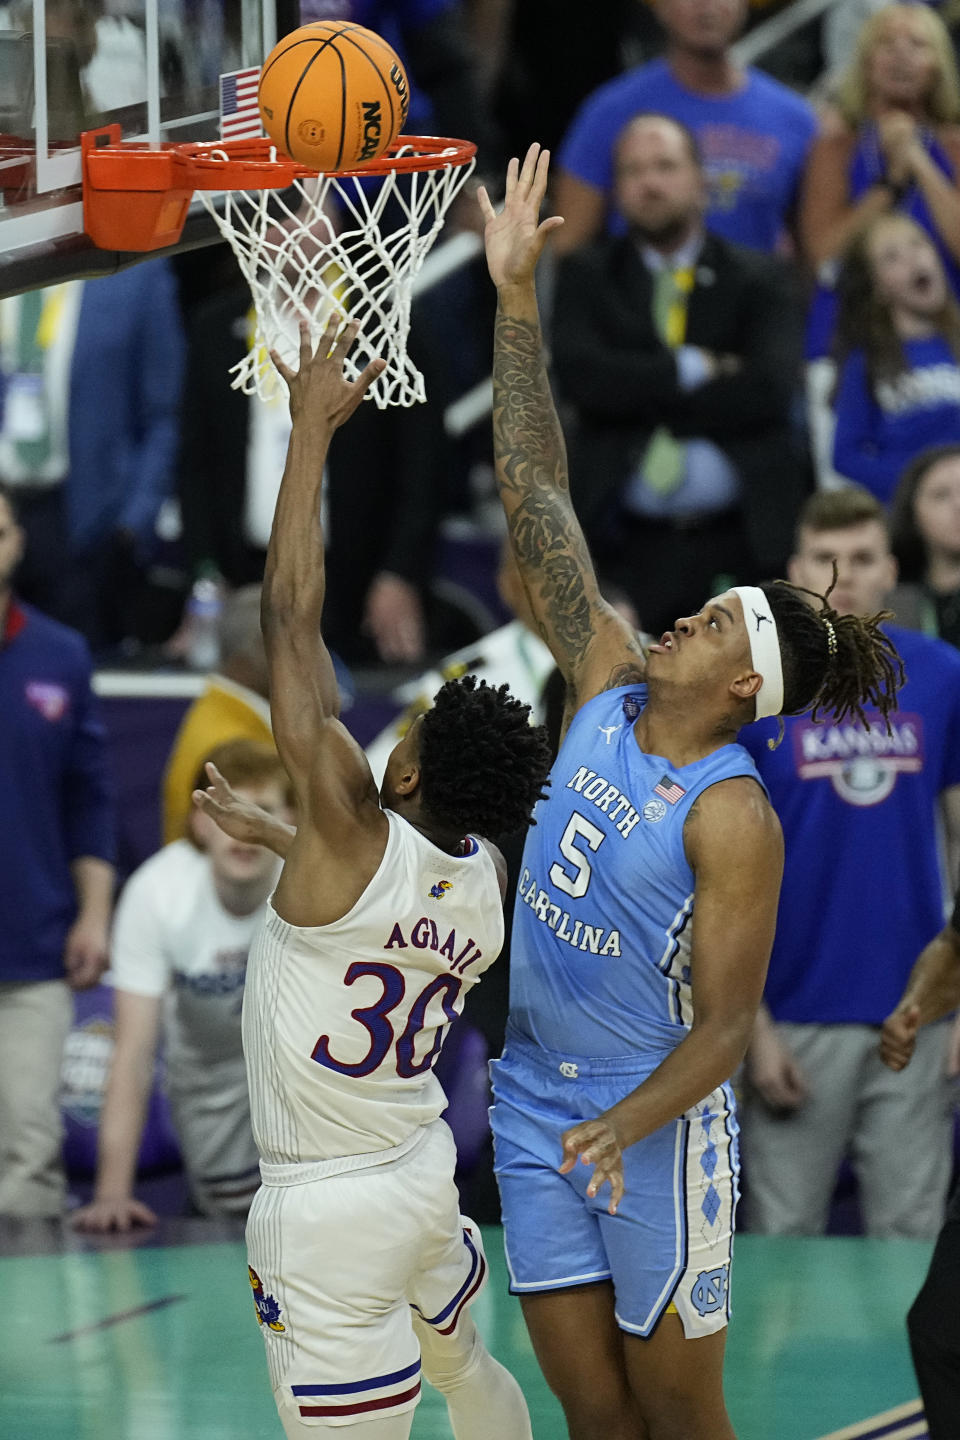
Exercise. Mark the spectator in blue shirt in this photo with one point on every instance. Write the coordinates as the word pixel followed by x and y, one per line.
pixel 754 134
pixel 56 876
pixel 861 809
pixel 898 340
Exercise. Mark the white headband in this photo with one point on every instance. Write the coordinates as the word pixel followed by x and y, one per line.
pixel 764 648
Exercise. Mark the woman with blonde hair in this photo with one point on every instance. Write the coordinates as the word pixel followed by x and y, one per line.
pixel 890 144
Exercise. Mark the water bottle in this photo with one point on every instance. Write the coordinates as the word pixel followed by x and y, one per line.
pixel 203 616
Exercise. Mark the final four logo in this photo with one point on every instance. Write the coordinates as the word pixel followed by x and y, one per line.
pixel 268 1309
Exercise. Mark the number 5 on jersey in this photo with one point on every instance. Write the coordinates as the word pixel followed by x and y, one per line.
pixel 575 882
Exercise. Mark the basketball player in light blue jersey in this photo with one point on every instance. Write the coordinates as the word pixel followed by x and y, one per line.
pixel 644 919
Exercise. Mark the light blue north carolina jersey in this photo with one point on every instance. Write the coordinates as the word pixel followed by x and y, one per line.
pixel 600 955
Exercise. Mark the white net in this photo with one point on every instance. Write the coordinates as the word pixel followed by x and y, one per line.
pixel 336 242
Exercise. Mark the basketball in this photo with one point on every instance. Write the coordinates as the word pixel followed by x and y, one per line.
pixel 333 95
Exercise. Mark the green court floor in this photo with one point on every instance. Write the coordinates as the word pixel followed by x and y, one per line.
pixel 161 1343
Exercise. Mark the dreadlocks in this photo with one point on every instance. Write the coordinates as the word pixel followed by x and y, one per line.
pixel 482 764
pixel 833 664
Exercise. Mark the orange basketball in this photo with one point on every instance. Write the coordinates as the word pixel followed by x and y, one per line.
pixel 332 95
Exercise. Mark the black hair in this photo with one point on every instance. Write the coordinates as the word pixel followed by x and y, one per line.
pixel 909 545
pixel 833 664
pixel 482 764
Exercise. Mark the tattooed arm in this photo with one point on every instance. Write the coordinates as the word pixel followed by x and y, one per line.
pixel 594 647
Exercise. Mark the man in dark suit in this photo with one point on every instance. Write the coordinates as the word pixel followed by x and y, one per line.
pixel 678 353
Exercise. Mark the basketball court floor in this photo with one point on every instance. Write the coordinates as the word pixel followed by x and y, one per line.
pixel 157 1339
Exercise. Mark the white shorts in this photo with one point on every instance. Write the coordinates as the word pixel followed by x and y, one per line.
pixel 336 1266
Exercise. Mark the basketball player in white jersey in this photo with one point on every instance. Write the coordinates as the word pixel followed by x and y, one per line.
pixel 386 912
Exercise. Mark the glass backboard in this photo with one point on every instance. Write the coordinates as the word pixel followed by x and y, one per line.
pixel 151 66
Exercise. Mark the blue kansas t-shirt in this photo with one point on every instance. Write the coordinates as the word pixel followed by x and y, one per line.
pixel 863 886
pixel 754 145
pixel 880 429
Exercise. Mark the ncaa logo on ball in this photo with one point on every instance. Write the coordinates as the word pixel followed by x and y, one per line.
pixel 372 125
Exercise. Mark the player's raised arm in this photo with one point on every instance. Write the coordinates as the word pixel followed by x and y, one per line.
pixel 303 688
pixel 592 645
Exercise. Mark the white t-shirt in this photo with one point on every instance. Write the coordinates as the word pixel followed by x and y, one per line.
pixel 172 937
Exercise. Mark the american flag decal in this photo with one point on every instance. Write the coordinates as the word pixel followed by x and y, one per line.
pixel 669 789
pixel 239 111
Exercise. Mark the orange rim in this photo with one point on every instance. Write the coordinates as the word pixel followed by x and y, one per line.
pixel 136 197
pixel 426 152
pixel 249 164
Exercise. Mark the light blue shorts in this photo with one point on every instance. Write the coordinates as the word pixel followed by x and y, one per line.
pixel 670 1242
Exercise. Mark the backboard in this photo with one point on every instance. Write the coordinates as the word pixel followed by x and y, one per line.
pixel 151 66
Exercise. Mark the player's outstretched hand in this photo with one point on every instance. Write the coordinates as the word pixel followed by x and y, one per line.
pixel 899 1036
pixel 100 1217
pixel 319 389
pixel 515 237
pixel 238 818
pixel 595 1142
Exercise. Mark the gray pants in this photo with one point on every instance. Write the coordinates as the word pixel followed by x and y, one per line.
pixel 211 1115
pixel 896 1128
pixel 35 1020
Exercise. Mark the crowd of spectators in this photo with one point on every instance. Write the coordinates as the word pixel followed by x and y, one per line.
pixel 714 215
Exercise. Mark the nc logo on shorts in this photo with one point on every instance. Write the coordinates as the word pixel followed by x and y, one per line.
pixel 568 1070
pixel 654 811
pixel 268 1310
pixel 709 1290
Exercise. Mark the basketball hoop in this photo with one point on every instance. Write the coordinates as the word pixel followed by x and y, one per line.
pixel 307 243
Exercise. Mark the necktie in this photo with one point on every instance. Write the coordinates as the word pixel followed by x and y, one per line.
pixel 664 461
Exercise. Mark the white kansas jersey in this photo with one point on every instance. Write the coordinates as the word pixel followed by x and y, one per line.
pixel 343 1023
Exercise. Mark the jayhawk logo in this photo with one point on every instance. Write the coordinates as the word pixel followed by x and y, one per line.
pixel 440 889
pixel 268 1310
